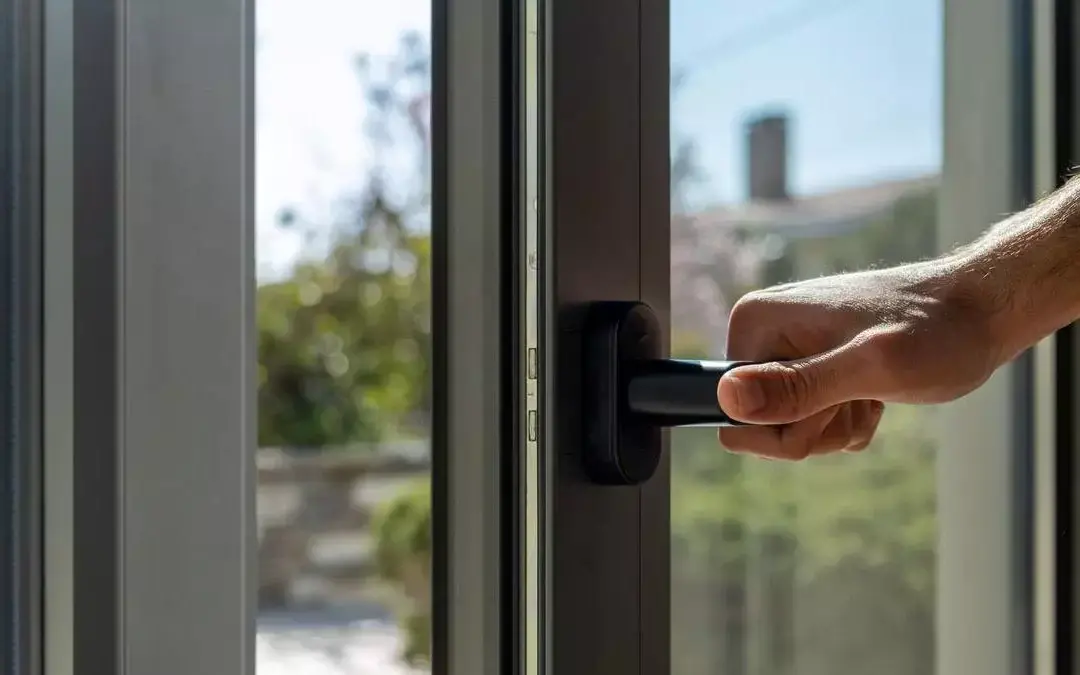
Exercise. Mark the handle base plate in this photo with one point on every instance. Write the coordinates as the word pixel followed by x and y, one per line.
pixel 619 448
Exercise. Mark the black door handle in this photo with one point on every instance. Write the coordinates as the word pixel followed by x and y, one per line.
pixel 677 392
pixel 630 392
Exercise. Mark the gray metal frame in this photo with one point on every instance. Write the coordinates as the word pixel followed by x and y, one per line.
pixel 150 351
pixel 59 339
pixel 1066 392
pixel 985 468
pixel 474 290
pixel 1057 147
pixel 58 344
pixel 1067 402
pixel 186 336
pixel 1051 651
pixel 20 340
pixel 607 232
pixel 149 283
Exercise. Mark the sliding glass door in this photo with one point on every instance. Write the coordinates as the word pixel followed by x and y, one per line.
pixel 314 316
pixel 804 139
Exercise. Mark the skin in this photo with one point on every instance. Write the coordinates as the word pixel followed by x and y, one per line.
pixel 833 351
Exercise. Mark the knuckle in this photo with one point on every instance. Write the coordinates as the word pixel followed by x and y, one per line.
pixel 759 441
pixel 837 442
pixel 754 327
pixel 858 446
pixel 800 451
pixel 798 444
pixel 733 441
pixel 834 443
pixel 860 441
pixel 846 418
pixel 747 307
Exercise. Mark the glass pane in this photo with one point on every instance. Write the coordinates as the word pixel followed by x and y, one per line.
pixel 344 336
pixel 806 141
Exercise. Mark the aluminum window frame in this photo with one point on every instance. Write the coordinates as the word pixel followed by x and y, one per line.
pixel 986 438
pixel 149 496
pixel 476 294
pixel 1056 149
pixel 150 469
pixel 1052 532
pixel 606 166
pixel 20 316
pixel 986 467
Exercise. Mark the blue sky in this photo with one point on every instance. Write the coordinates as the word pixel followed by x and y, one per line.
pixel 861 79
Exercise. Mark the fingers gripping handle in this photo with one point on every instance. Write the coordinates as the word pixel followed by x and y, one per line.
pixel 630 393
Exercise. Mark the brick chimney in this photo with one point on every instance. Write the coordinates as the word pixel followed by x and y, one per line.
pixel 767 157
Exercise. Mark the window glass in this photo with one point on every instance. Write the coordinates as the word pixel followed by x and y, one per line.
pixel 806 140
pixel 344 314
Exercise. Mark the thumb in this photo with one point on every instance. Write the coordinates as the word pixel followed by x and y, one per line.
pixel 782 392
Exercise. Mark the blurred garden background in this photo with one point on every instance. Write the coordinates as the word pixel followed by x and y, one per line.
pixel 778 569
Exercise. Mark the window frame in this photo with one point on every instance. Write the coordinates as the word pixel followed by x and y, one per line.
pixel 604 612
pixel 476 284
pixel 1051 557
pixel 986 438
pixel 136 199
pixel 1057 376
pixel 122 233
pixel 149 491
pixel 20 314
pixel 987 59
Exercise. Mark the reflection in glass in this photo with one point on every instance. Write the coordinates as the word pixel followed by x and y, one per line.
pixel 344 337
pixel 806 141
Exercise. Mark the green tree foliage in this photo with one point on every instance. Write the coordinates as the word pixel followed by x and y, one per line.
pixel 403 555
pixel 842 541
pixel 343 346
pixel 344 340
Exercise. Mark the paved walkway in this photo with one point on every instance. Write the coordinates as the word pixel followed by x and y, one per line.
pixel 369 648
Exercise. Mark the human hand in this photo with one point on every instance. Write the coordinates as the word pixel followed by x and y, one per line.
pixel 834 350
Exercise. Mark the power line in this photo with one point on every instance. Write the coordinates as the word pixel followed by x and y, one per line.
pixel 761 33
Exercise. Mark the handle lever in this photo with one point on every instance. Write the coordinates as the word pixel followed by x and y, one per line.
pixel 677 392
pixel 630 393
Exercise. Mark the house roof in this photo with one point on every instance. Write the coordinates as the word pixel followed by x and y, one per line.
pixel 826 213
pixel 711 264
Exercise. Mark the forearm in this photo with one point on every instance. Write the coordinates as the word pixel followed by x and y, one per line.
pixel 1027 269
